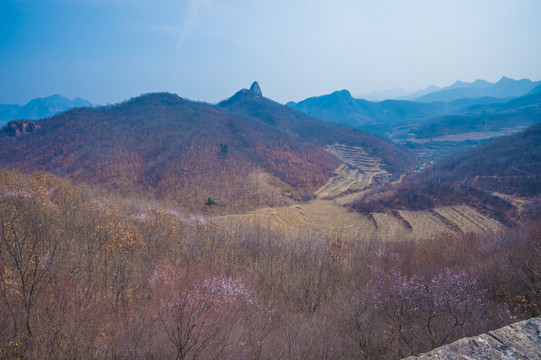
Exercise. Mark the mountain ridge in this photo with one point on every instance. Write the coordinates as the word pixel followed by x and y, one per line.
pixel 503 88
pixel 163 145
pixel 39 108
pixel 443 93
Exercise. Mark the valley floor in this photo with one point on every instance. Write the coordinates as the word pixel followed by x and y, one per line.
pixel 331 217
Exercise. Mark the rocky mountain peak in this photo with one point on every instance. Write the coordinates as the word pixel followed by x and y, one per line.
pixel 255 89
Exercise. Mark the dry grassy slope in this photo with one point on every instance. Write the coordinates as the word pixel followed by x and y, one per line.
pixel 321 216
pixel 330 217
pixel 344 180
pixel 359 171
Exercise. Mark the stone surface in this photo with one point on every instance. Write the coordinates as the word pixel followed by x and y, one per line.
pixel 521 340
pixel 255 89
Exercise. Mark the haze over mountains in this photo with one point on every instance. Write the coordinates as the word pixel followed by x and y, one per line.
pixel 240 226
pixel 249 229
pixel 248 151
pixel 505 87
pixel 163 145
pixel 40 108
pixel 437 128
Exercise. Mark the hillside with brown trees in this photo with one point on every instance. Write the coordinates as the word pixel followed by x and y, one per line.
pixel 509 165
pixel 85 274
pixel 397 160
pixel 167 147
pixel 123 235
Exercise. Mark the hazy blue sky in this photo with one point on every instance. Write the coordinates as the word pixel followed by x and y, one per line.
pixel 109 50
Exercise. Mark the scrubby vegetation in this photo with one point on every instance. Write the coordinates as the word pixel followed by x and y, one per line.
pixel 166 147
pixel 85 274
pixel 509 165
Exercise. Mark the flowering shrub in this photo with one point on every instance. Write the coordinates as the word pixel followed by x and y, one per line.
pixel 19 194
pixel 228 290
pixel 429 308
pixel 196 310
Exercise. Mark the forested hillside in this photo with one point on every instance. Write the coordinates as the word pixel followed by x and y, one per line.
pixel 510 165
pixel 88 275
pixel 163 146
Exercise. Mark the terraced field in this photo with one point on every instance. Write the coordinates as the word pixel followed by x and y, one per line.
pixel 473 135
pixel 319 216
pixel 346 179
pixel 357 158
pixel 431 149
pixel 359 171
pixel 327 214
pixel 327 217
pixel 519 202
pixel 429 152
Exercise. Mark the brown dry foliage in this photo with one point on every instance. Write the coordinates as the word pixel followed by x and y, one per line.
pixel 77 267
pixel 162 146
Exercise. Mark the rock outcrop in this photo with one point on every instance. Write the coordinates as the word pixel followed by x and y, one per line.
pixel 255 89
pixel 521 340
pixel 20 127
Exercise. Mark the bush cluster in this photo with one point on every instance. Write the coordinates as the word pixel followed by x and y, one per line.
pixel 86 275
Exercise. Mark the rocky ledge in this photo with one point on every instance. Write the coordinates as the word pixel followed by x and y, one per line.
pixel 521 340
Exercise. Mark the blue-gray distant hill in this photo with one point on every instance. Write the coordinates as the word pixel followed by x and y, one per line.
pixel 426 127
pixel 522 111
pixel 384 116
pixel 377 117
pixel 40 108
pixel 458 90
pixel 505 88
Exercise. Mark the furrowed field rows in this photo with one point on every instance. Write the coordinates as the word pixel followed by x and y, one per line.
pixel 472 135
pixel 468 219
pixel 346 180
pixel 359 171
pixel 356 157
pixel 329 218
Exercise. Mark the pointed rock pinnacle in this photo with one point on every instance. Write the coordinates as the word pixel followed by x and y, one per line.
pixel 255 89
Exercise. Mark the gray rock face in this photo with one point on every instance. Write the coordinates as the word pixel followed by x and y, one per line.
pixel 255 89
pixel 521 340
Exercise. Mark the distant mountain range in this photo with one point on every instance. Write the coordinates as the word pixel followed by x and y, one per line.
pixel 399 94
pixel 40 108
pixel 376 117
pixel 504 88
pixel 247 151
pixel 522 111
pixel 407 121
